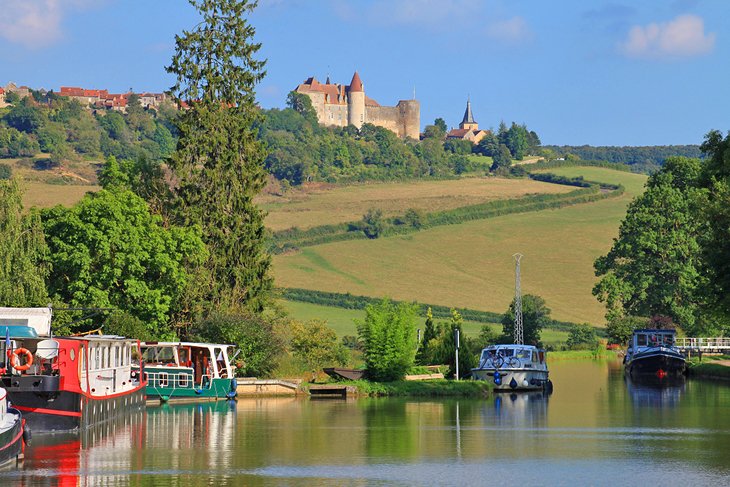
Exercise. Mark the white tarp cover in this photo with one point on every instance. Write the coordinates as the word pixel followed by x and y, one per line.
pixel 38 318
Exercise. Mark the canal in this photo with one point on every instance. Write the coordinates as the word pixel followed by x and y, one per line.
pixel 595 429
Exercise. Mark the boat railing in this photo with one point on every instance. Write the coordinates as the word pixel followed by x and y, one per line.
pixel 176 378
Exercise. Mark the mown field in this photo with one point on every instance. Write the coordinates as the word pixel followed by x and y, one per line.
pixel 470 265
pixel 343 321
pixel 58 186
pixel 305 208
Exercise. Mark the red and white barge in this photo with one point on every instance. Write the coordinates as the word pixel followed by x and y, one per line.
pixel 66 383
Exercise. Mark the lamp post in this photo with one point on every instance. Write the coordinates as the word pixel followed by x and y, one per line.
pixel 456 348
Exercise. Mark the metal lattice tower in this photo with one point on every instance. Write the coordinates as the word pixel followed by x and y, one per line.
pixel 518 301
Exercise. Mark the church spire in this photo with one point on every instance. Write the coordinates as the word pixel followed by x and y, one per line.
pixel 468 117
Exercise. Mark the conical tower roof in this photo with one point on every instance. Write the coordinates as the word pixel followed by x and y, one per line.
pixel 468 117
pixel 356 83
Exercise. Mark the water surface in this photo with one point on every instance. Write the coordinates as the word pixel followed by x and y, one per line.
pixel 595 429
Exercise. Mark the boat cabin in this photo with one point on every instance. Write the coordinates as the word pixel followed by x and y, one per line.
pixel 515 356
pixel 178 370
pixel 650 338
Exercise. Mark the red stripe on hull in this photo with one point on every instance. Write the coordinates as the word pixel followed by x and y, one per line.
pixel 57 412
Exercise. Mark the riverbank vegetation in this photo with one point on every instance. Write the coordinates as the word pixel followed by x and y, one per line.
pixel 426 388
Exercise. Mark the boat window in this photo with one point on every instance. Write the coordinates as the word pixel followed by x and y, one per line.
pixel 220 359
pixel 523 354
pixel 668 340
pixel 641 340
pixel 183 380
pixel 506 352
pixel 541 355
pixel 163 379
pixel 105 358
pixel 534 357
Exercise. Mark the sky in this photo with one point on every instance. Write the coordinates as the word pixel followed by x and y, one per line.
pixel 654 72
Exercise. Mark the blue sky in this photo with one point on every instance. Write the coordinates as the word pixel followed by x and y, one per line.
pixel 575 71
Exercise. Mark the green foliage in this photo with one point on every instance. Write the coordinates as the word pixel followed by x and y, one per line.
pixel 372 223
pixel 488 336
pixel 109 251
pixel 619 329
pixel 582 337
pixel 219 160
pixel 443 347
pixel 253 334
pixel 14 143
pixel 6 172
pixel 302 104
pixel 23 251
pixel 316 345
pixel 25 117
pixel 387 335
pixel 516 141
pixel 459 146
pixel 643 159
pixel 555 179
pixel 535 317
pixel 423 356
pixel 440 123
pixel 501 158
pixel 125 324
pixel 654 266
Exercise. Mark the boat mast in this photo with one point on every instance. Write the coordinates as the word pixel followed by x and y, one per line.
pixel 518 301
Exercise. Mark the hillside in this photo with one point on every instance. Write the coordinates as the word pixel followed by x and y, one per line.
pixel 470 264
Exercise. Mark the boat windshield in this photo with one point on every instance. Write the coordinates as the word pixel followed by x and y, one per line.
pixel 163 355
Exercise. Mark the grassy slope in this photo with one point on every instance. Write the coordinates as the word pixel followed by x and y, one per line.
pixel 60 186
pixel 307 208
pixel 470 265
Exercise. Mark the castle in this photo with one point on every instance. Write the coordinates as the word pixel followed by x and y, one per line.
pixel 341 105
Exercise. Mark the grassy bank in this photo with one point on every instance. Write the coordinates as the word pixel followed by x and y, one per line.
pixel 710 367
pixel 430 388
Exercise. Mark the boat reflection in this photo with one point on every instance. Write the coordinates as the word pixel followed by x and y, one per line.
pixel 85 458
pixel 136 447
pixel 522 410
pixel 655 392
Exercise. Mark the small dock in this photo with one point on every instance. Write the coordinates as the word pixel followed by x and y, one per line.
pixel 332 391
pixel 251 386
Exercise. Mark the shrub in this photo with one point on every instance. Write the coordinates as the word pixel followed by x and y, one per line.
pixel 582 337
pixel 6 171
pixel 387 335
pixel 315 344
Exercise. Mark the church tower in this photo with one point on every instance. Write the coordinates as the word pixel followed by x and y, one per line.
pixel 356 102
pixel 468 121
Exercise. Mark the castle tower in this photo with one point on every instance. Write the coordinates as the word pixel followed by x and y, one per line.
pixel 356 102
pixel 468 121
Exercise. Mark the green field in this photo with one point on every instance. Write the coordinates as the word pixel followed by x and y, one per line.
pixel 470 265
pixel 342 321
pixel 58 186
pixel 324 204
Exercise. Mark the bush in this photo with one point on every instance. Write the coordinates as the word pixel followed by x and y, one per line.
pixel 6 172
pixel 124 324
pixel 372 223
pixel 582 337
pixel 620 329
pixel 252 334
pixel 387 335
pixel 315 344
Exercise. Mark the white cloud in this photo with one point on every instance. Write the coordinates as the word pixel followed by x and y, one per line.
pixel 35 23
pixel 682 37
pixel 511 31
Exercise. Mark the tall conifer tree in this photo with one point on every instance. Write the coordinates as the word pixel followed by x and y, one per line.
pixel 219 161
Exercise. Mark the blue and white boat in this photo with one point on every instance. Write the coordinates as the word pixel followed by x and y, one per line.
pixel 514 367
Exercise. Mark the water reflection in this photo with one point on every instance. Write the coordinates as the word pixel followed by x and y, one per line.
pixel 596 428
pixel 654 392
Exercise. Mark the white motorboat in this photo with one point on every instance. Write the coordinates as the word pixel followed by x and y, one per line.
pixel 514 367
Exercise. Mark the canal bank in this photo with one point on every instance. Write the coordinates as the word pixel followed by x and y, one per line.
pixel 710 367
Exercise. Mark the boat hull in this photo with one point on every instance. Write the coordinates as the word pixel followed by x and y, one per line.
pixel 514 379
pixel 68 411
pixel 170 384
pixel 11 440
pixel 657 363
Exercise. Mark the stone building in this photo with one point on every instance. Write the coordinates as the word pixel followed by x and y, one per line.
pixel 468 128
pixel 341 105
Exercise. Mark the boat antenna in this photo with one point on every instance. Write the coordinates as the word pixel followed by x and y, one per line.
pixel 518 301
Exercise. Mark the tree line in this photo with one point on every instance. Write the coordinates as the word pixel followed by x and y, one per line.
pixel 669 265
pixel 644 159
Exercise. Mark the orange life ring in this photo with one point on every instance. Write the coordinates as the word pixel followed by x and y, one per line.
pixel 28 359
